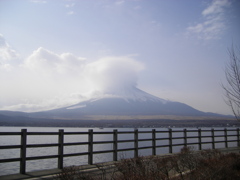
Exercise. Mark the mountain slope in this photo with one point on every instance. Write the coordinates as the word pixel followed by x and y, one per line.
pixel 125 102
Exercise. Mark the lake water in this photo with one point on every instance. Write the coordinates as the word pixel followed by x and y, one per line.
pixel 33 165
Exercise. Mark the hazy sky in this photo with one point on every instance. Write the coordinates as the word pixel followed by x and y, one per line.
pixel 54 52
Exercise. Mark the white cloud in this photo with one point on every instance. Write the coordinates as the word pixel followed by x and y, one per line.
pixel 137 7
pixel 43 81
pixel 119 2
pixel 47 80
pixel 111 74
pixel 69 5
pixel 42 104
pixel 213 21
pixel 217 7
pixel 45 61
pixel 7 54
pixel 38 1
pixel 70 13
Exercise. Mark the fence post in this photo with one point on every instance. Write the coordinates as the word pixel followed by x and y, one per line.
pixel 213 141
pixel 153 142
pixel 60 148
pixel 115 145
pixel 238 141
pixel 199 139
pixel 185 137
pixel 226 139
pixel 23 151
pixel 170 140
pixel 90 146
pixel 136 143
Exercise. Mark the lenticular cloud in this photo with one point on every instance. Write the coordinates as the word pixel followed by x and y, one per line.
pixel 47 80
pixel 111 74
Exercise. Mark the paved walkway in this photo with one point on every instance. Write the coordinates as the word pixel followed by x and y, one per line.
pixel 96 169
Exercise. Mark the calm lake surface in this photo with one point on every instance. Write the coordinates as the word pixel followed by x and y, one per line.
pixel 13 167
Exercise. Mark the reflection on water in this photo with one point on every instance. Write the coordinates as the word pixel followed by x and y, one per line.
pixel 13 167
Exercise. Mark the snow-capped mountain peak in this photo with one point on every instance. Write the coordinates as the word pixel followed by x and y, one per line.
pixel 128 94
pixel 121 102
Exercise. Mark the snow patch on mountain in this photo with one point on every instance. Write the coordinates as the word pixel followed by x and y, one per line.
pixel 127 94
pixel 76 107
pixel 133 94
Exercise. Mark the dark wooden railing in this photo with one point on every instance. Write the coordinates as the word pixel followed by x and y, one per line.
pixel 115 142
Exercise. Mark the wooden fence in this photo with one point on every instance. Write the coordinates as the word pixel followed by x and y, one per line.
pixel 226 136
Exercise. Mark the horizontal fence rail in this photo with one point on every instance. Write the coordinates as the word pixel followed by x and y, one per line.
pixel 155 139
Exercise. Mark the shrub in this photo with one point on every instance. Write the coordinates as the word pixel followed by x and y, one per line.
pixel 142 168
pixel 72 173
pixel 219 166
pixel 188 165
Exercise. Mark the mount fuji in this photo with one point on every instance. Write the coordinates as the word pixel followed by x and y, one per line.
pixel 119 103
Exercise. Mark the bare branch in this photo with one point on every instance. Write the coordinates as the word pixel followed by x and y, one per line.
pixel 232 86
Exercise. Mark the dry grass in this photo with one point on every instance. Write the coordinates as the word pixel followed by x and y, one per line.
pixel 187 165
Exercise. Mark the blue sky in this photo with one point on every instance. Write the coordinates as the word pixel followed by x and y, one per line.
pixel 53 52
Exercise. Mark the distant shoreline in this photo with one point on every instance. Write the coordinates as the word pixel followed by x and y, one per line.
pixel 131 123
